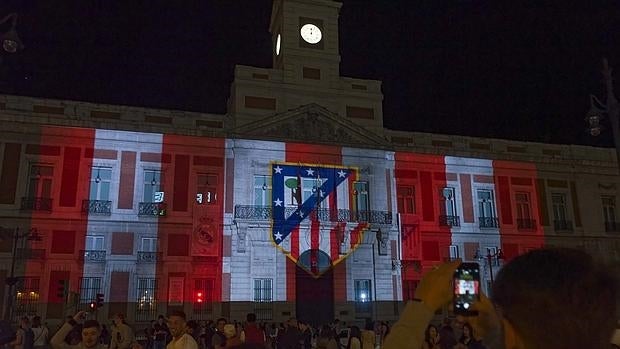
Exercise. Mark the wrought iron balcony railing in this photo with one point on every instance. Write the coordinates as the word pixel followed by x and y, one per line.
pixel 563 225
pixel 450 221
pixel 94 256
pixel 322 214
pixel 36 204
pixel 526 224
pixel 488 222
pixel 97 207
pixel 612 227
pixel 148 257
pixel 152 209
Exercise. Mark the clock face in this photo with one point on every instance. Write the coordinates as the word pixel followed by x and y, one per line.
pixel 311 33
pixel 278 42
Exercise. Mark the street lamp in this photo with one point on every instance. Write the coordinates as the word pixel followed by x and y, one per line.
pixel 490 257
pixel 598 110
pixel 10 40
pixel 11 280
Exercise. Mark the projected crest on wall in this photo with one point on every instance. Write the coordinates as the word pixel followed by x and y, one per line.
pixel 318 219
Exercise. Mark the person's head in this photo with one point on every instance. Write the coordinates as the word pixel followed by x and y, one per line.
pixel 370 326
pixel 220 323
pixel 447 322
pixel 292 322
pixel 355 332
pixel 36 321
pixel 468 331
pixel 24 322
pixel 161 319
pixel 90 333
pixel 230 331
pixel 177 323
pixel 191 327
pixel 555 298
pixel 118 319
pixel 430 333
pixel 250 318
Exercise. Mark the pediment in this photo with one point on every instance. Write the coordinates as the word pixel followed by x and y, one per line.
pixel 310 123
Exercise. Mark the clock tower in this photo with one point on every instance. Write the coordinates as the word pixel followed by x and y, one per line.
pixel 306 70
pixel 305 39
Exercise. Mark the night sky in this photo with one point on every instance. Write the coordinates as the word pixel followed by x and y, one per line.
pixel 505 69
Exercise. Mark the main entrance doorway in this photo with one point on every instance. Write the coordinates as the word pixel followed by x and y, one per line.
pixel 314 295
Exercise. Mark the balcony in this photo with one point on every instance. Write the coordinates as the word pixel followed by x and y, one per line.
pixel 148 257
pixel 97 207
pixel 612 227
pixel 563 225
pixel 152 209
pixel 93 256
pixel 321 214
pixel 488 222
pixel 36 204
pixel 526 224
pixel 449 221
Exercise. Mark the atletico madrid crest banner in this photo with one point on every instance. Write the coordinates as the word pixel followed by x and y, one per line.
pixel 312 219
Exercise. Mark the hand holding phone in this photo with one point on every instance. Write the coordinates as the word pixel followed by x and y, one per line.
pixel 466 288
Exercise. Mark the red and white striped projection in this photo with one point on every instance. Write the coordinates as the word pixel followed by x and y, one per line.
pixel 141 217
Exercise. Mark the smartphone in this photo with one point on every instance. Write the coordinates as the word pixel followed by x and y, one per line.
pixel 466 288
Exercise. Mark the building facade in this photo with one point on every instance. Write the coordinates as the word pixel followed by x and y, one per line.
pixel 297 202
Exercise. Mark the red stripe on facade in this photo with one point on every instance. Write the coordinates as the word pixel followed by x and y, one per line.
pixel 428 197
pixel 504 199
pixel 70 177
pixel 466 198
pixel 127 179
pixel 181 183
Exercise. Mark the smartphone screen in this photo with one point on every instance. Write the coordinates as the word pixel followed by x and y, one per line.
pixel 466 288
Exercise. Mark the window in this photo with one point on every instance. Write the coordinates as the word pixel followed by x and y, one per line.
pixel 560 216
pixel 262 191
pixel 40 182
pixel 609 212
pixel 148 245
pixel 203 299
pixel 89 287
pixel 263 297
pixel 100 179
pixel 146 300
pixel 312 187
pixel 363 296
pixel 206 188
pixel 454 252
pixel 486 208
pixel 492 251
pixel 27 295
pixel 360 193
pixel 405 198
pixel 94 243
pixel 524 211
pixel 152 185
pixel 449 203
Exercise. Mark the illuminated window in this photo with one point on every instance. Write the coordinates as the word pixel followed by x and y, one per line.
pixel 27 293
pixel 262 191
pixel 203 299
pixel 405 199
pixel 360 195
pixel 148 245
pixel 40 181
pixel 363 296
pixel 486 206
pixel 263 299
pixel 100 179
pixel 89 287
pixel 206 188
pixel 94 243
pixel 152 186
pixel 146 299
pixel 454 252
pixel 449 202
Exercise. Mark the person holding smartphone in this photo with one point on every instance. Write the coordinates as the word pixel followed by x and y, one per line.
pixel 552 298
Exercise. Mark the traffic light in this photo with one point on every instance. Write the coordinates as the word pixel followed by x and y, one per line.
pixel 199 297
pixel 63 289
pixel 99 302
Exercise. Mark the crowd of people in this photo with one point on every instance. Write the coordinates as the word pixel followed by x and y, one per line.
pixel 549 298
